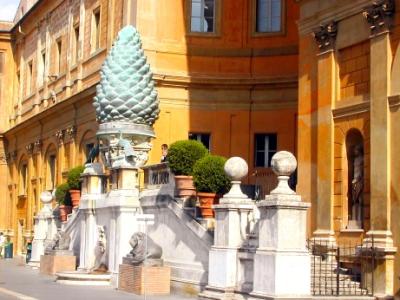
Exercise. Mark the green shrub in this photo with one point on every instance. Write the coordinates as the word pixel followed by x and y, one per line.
pixel 209 175
pixel 182 155
pixel 62 194
pixel 74 178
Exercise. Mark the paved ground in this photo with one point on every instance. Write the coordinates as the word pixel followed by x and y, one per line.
pixel 20 282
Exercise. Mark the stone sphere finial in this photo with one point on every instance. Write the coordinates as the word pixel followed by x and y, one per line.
pixel 46 197
pixel 283 164
pixel 236 168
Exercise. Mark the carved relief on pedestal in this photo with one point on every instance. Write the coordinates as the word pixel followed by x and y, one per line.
pixel 325 36
pixel 379 15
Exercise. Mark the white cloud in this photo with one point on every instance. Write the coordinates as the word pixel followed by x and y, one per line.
pixel 8 9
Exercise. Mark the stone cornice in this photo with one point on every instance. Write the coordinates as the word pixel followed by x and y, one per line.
pixel 219 82
pixel 337 12
pixel 350 109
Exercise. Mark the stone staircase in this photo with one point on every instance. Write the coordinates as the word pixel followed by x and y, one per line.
pixel 329 280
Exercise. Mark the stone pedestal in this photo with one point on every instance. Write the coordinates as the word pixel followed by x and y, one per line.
pixel 149 280
pixel 52 264
pixel 45 228
pixel 282 266
pixel 115 212
pixel 381 241
pixel 231 222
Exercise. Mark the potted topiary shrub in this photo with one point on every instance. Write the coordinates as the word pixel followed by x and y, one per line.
pixel 182 155
pixel 63 199
pixel 74 182
pixel 210 181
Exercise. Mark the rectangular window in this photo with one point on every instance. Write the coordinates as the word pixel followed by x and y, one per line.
pixel 24 177
pixel 95 37
pixel 75 47
pixel 42 67
pixel 52 170
pixel 265 146
pixel 58 57
pixel 29 78
pixel 268 16
pixel 202 16
pixel 204 138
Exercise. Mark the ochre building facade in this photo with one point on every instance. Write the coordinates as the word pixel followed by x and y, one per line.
pixel 225 75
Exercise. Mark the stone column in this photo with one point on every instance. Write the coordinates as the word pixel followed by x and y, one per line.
pixel 45 228
pixel 231 217
pixel 379 16
pixel 325 37
pixel 282 266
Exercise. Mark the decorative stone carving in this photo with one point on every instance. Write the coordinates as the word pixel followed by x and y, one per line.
pixel 236 168
pixel 60 135
pixel 38 145
pixel 100 264
pixel 71 132
pixel 379 15
pixel 283 164
pixel 325 36
pixel 139 255
pixel 11 156
pixel 29 148
pixel 59 243
pixel 3 158
pixel 126 103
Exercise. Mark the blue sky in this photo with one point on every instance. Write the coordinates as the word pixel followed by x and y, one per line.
pixel 8 9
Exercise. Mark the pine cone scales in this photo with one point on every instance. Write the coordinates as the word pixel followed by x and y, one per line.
pixel 126 90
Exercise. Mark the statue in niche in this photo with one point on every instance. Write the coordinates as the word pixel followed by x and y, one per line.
pixel 140 255
pixel 357 184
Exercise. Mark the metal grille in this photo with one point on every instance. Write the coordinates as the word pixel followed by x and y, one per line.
pixel 345 270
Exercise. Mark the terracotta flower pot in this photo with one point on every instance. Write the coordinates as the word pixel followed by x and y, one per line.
pixel 64 212
pixel 207 200
pixel 184 186
pixel 75 197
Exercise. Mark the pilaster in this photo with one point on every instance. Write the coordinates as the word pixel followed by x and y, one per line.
pixel 325 37
pixel 380 17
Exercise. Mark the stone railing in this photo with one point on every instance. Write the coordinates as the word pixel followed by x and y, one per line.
pixel 157 175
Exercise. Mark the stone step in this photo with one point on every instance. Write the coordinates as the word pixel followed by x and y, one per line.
pixel 83 278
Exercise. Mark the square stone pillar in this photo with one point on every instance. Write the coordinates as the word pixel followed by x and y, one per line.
pixel 282 265
pixel 231 223
pixel 380 17
pixel 44 229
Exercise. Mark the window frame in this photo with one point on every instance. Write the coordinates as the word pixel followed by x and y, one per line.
pixel 95 32
pixel 57 63
pixel 217 20
pixel 75 43
pixel 253 19
pixel 41 77
pixel 266 161
pixel 202 133
pixel 29 78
